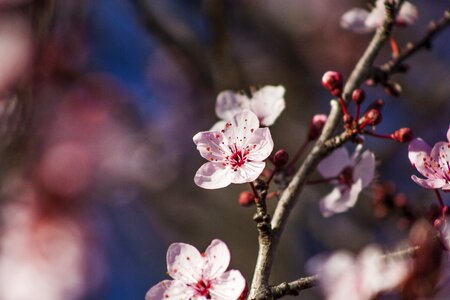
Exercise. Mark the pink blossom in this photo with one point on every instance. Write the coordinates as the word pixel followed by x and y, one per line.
pixel 267 103
pixel 343 277
pixel 351 176
pixel 362 21
pixel 236 153
pixel 434 163
pixel 198 276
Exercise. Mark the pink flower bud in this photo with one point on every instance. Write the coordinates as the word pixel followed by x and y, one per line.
pixel 373 117
pixel 280 158
pixel 347 119
pixel 316 126
pixel 246 198
pixel 403 135
pixel 333 82
pixel 358 96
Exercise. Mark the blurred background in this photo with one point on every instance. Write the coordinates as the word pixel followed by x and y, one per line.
pixel 99 104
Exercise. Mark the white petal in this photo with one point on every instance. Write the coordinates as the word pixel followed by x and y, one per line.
pixel 218 257
pixel 213 176
pixel 376 17
pixel 229 286
pixel 241 127
pixel 408 14
pixel 443 157
pixel 429 183
pixel 260 144
pixel 170 289
pixel 185 263
pixel 365 168
pixel 338 202
pixel 229 103
pixel 448 134
pixel 333 164
pixel 211 145
pixel 248 172
pixel 355 19
pixel 268 103
pixel 418 150
pixel 218 126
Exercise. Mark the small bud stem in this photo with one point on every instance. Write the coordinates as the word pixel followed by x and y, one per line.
pixel 358 111
pixel 252 184
pixel 344 108
pixel 394 47
pixel 298 154
pixel 271 175
pixel 378 135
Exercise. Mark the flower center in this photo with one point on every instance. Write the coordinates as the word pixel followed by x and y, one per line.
pixel 346 176
pixel 202 287
pixel 238 158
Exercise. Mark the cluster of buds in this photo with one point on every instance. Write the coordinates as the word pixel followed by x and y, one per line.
pixel 333 81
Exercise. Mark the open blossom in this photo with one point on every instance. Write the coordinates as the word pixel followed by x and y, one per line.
pixel 362 21
pixel 351 174
pixel 198 276
pixel 432 163
pixel 343 277
pixel 236 153
pixel 267 103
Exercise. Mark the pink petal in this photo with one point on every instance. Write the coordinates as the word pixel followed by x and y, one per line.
pixel 242 126
pixel 376 16
pixel 338 202
pixel 213 176
pixel 210 146
pixel 268 103
pixel 229 103
pixel 218 126
pixel 218 257
pixel 365 168
pixel 418 150
pixel 442 155
pixel 408 14
pixel 247 172
pixel 354 20
pixel 229 286
pixel 332 165
pixel 448 134
pixel 170 289
pixel 185 263
pixel 260 144
pixel 429 183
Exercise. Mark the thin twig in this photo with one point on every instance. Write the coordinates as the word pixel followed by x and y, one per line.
pixel 259 287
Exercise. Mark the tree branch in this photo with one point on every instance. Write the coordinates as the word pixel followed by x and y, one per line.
pixel 290 194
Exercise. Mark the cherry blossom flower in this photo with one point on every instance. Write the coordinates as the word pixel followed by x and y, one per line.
pixel 362 21
pixel 351 176
pixel 267 103
pixel 434 163
pixel 236 154
pixel 198 276
pixel 343 277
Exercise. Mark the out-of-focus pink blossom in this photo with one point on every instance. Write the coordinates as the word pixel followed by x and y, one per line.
pixel 433 164
pixel 199 275
pixel 15 50
pixel 43 257
pixel 236 154
pixel 351 174
pixel 362 21
pixel 267 103
pixel 344 277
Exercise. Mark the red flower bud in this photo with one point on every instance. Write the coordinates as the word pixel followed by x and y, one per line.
pixel 280 158
pixel 333 82
pixel 358 96
pixel 347 119
pixel 373 117
pixel 403 135
pixel 316 126
pixel 246 198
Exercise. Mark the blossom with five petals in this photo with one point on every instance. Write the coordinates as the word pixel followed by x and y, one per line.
pixel 342 276
pixel 198 276
pixel 267 103
pixel 236 153
pixel 351 176
pixel 360 20
pixel 433 163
